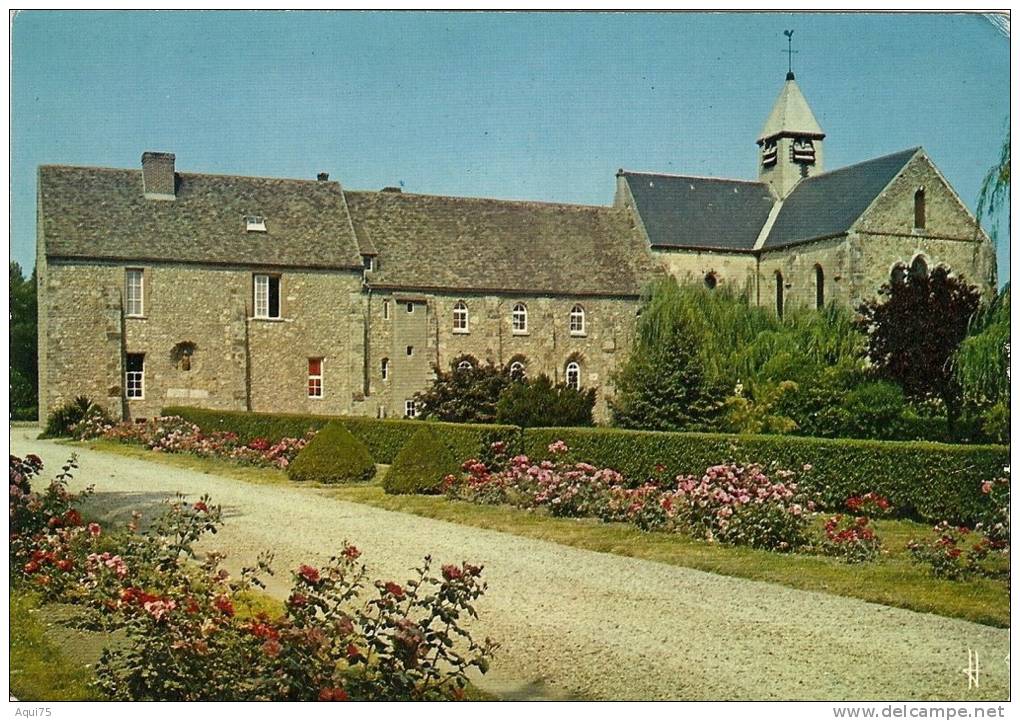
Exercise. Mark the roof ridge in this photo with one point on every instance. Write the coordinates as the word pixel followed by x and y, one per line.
pixel 694 177
pixel 186 173
pixel 472 198
pixel 859 163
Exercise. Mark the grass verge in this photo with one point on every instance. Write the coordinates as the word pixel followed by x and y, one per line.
pixel 894 580
pixel 47 661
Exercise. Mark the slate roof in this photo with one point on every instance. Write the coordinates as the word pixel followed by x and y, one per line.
pixel 830 203
pixel 680 211
pixel 431 242
pixel 791 115
pixel 100 213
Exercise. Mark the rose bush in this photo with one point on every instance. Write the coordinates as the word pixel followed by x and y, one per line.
pixel 851 538
pixel 188 636
pixel 172 434
pixel 951 552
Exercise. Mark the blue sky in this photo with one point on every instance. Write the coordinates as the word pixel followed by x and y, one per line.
pixel 508 105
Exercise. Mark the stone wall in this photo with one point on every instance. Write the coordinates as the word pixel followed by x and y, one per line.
pixel 735 271
pixel 799 268
pixel 546 348
pixel 238 362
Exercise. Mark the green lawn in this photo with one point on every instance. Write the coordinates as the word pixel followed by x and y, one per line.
pixel 894 580
pixel 49 661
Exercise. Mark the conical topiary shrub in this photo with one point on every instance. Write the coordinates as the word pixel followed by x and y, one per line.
pixel 332 456
pixel 421 465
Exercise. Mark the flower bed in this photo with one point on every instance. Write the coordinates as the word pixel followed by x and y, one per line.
pixel 340 637
pixel 173 434
pixel 730 503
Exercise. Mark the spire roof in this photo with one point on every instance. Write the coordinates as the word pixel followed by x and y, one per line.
pixel 791 114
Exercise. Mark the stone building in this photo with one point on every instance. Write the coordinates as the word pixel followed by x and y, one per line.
pixel 159 287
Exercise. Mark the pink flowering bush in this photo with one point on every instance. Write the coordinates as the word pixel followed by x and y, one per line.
pixel 730 503
pixel 995 521
pixel 952 552
pixel 740 504
pixel 340 637
pixel 851 538
pixel 172 434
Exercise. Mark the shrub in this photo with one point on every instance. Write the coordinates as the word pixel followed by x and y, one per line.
pixel 464 395
pixel 943 554
pixel 332 456
pixel 384 438
pixel 64 417
pixel 851 538
pixel 421 465
pixel 923 480
pixel 531 402
pixel 741 505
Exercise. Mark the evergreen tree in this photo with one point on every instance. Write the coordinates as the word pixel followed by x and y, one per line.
pixel 23 339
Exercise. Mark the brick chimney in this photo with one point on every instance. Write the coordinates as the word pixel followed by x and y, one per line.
pixel 158 179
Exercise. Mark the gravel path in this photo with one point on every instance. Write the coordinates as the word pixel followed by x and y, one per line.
pixel 575 623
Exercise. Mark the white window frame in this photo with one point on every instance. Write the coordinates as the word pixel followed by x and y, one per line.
pixel 134 293
pixel 410 409
pixel 465 365
pixel 519 319
pixel 579 328
pixel 461 318
pixel 260 305
pixel 574 368
pixel 134 380
pixel 254 224
pixel 316 378
pixel 521 373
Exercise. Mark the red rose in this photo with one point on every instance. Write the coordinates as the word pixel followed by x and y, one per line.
pixel 65 565
pixel 224 606
pixel 333 694
pixel 309 573
pixel 353 653
pixel 95 529
pixel 31 567
pixel 394 589
pixel 351 552
pixel 55 522
pixel 72 518
pixel 297 600
pixel 200 506
pixel 451 572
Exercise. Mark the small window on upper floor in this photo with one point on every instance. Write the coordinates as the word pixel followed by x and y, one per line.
pixel 134 292
pixel 577 321
pixel 255 224
pixel 519 319
pixel 410 350
pixel 460 317
pixel 919 209
pixel 385 368
pixel 315 377
pixel 267 296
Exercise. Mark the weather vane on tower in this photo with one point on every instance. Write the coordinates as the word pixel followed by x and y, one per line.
pixel 790 52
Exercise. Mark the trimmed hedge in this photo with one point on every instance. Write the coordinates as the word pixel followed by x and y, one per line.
pixel 930 481
pixel 421 465
pixel 384 438
pixel 332 456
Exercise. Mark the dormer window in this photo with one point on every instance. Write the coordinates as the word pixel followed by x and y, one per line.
pixel 369 262
pixel 255 224
pixel 769 153
pixel 804 151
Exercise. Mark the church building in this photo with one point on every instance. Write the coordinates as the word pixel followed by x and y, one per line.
pixel 159 287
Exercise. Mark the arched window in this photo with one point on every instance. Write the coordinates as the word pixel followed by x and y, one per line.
pixel 464 365
pixel 460 317
pixel 711 281
pixel 779 294
pixel 574 375
pixel 919 218
pixel 919 268
pixel 519 318
pixel 518 371
pixel 385 368
pixel 181 355
pixel 819 287
pixel 898 274
pixel 577 320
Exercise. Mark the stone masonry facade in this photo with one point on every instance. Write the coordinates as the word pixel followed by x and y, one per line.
pixel 160 288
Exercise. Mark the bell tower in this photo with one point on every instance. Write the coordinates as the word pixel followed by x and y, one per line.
pixel 791 141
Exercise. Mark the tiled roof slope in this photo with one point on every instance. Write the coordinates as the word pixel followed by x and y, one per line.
pixel 101 213
pixel 690 212
pixel 830 203
pixel 477 244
